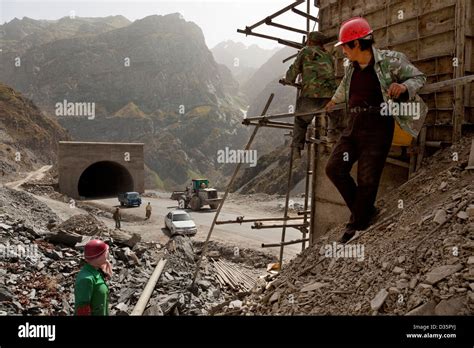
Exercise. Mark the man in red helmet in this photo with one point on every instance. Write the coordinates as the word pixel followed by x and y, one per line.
pixel 91 291
pixel 373 79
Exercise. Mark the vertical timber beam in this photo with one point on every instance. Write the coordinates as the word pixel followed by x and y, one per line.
pixel 316 153
pixel 460 37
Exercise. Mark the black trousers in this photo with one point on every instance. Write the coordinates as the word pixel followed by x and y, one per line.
pixel 305 104
pixel 367 139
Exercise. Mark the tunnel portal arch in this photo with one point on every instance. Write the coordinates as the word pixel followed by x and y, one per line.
pixel 99 169
pixel 104 178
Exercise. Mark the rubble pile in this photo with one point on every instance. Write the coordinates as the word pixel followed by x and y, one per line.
pixel 38 266
pixel 250 257
pixel 176 296
pixel 45 186
pixel 32 213
pixel 417 259
pixel 84 224
pixel 38 189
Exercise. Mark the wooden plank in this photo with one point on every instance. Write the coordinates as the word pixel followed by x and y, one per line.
pixel 421 148
pixel 459 81
pixel 397 162
pixel 412 153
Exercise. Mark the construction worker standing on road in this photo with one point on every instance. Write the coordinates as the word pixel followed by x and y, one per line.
pixel 117 218
pixel 148 211
pixel 373 79
pixel 318 84
pixel 91 293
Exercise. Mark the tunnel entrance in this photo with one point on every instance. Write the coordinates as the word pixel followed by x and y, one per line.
pixel 104 179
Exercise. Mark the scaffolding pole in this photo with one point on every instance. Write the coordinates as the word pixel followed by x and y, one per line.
pixel 229 185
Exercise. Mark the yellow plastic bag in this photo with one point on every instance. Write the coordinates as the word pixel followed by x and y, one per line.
pixel 401 137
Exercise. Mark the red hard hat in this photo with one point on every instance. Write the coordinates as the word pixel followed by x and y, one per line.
pixel 94 249
pixel 353 29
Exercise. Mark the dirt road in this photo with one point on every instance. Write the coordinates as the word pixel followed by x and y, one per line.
pixel 241 236
pixel 35 175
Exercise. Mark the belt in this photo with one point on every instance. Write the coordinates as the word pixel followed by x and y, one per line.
pixel 370 109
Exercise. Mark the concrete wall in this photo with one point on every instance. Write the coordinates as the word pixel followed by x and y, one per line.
pixel 331 209
pixel 430 33
pixel 75 157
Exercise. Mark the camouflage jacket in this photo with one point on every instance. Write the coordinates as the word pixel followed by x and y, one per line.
pixel 392 66
pixel 317 69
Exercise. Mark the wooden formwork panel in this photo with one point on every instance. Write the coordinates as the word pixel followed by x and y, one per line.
pixel 435 45
pixel 469 55
pixel 444 99
pixel 378 13
pixel 443 117
pixel 470 19
pixel 469 95
pixel 410 49
pixel 424 30
pixel 439 100
pixel 435 66
pixel 437 22
pixel 400 11
pixel 439 133
pixel 430 117
pixel 434 5
pixel 399 33
pixel 469 112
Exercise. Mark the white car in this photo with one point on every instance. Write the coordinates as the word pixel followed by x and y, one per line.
pixel 180 222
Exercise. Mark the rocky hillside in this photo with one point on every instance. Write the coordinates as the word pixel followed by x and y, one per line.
pixel 28 138
pixel 273 69
pixel 259 87
pixel 158 62
pixel 19 35
pixel 243 61
pixel 152 81
pixel 416 260
pixel 270 175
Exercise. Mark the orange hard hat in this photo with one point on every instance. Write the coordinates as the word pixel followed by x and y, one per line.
pixel 95 248
pixel 353 29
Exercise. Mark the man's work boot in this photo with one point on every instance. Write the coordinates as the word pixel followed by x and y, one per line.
pixel 349 232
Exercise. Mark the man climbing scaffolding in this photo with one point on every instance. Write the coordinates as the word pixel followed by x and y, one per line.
pixel 318 84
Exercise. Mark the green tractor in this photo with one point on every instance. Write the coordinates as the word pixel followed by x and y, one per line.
pixel 197 195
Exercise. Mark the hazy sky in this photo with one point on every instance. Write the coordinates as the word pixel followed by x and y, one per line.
pixel 219 19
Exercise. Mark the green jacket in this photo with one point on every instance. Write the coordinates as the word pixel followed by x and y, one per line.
pixel 92 290
pixel 392 66
pixel 317 68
